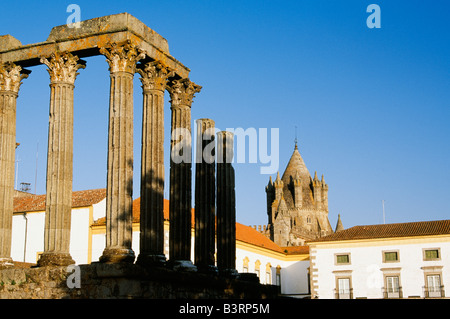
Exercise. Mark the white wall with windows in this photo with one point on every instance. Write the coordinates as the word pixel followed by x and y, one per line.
pixel 381 268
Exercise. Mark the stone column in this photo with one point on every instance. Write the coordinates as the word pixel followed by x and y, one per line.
pixel 205 197
pixel 11 76
pixel 181 93
pixel 122 59
pixel 62 68
pixel 226 206
pixel 154 78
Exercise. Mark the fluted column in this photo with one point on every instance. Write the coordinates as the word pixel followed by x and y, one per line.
pixel 122 59
pixel 11 76
pixel 205 197
pixel 62 68
pixel 226 206
pixel 153 77
pixel 181 94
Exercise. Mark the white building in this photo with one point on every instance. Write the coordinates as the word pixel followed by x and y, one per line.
pixel 405 260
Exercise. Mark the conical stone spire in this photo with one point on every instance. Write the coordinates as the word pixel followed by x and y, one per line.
pixel 339 225
pixel 296 170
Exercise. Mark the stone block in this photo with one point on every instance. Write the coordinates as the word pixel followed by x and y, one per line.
pixel 8 42
pixel 109 24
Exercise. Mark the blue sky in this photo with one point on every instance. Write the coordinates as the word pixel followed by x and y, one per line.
pixel 371 106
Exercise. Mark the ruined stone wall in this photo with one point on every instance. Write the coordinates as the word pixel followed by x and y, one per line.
pixel 105 281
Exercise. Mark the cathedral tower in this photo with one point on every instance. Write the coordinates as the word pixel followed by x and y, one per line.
pixel 297 205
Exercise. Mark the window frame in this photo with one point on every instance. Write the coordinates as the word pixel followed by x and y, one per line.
pixel 433 271
pixel 349 293
pixel 424 254
pixel 384 252
pixel 336 263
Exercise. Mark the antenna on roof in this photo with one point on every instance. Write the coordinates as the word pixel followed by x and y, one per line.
pixel 24 187
pixel 384 216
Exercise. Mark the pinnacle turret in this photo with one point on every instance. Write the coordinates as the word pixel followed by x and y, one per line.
pixel 339 225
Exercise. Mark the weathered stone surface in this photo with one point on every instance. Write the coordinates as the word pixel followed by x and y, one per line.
pixel 8 42
pixel 297 205
pixel 122 59
pixel 86 41
pixel 181 94
pixel 11 76
pixel 120 281
pixel 109 24
pixel 62 68
pixel 226 206
pixel 205 197
pixel 154 77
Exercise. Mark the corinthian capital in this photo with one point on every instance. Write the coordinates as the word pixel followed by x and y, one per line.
pixel 63 67
pixel 11 76
pixel 154 75
pixel 182 91
pixel 122 57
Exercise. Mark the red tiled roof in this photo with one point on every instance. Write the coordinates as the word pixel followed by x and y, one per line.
pixel 424 228
pixel 250 235
pixel 296 250
pixel 36 203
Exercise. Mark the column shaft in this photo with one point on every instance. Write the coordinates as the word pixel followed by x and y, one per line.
pixel 181 93
pixel 122 60
pixel 153 77
pixel 180 192
pixel 58 208
pixel 205 197
pixel 10 77
pixel 226 206
pixel 7 158
pixel 119 185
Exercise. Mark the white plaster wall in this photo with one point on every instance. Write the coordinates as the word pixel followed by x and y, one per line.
pixel 99 210
pixel 367 267
pixel 79 235
pixel 294 278
pixel 34 239
pixel 98 245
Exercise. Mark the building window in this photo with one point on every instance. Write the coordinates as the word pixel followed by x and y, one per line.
pixel 342 259
pixel 433 287
pixel 245 265
pixel 392 287
pixel 257 265
pixel 343 288
pixel 268 274
pixel 432 254
pixel 278 277
pixel 390 256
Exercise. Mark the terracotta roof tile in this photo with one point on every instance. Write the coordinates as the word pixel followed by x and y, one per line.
pixel 36 203
pixel 250 235
pixel 424 228
pixel 296 250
